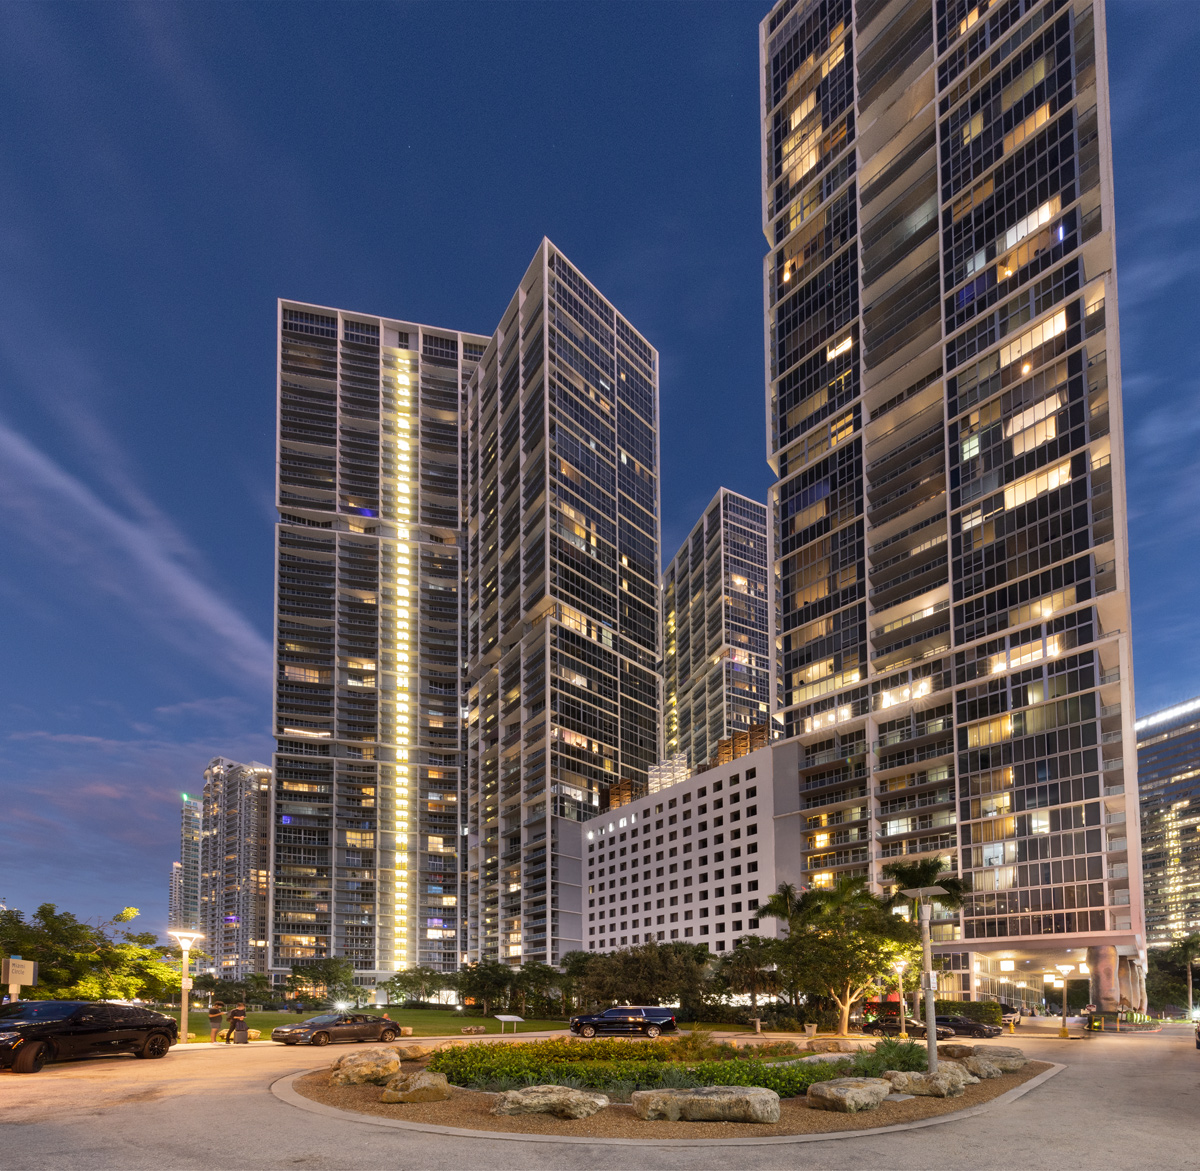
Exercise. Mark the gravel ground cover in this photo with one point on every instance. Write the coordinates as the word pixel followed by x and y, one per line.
pixel 470 1110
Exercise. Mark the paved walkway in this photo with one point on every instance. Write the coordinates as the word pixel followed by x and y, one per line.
pixel 1123 1103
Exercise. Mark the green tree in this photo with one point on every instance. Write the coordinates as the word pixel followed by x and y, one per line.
pixel 574 966
pixel 418 983
pixel 839 940
pixel 484 983
pixel 83 961
pixel 328 979
pixel 1185 952
pixel 749 967
pixel 537 982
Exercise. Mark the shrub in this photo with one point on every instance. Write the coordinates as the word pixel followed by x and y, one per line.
pixel 987 1011
pixel 902 1055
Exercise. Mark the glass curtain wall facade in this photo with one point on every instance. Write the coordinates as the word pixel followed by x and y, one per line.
pixel 1169 791
pixel 365 824
pixel 944 418
pixel 234 865
pixel 562 511
pixel 183 904
pixel 717 662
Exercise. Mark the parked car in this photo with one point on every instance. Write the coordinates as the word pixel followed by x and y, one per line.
pixel 337 1026
pixel 962 1026
pixel 33 1032
pixel 1012 1016
pixel 626 1021
pixel 890 1027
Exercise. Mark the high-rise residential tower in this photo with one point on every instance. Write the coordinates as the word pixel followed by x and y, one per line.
pixel 183 902
pixel 234 867
pixel 944 416
pixel 717 658
pixel 365 825
pixel 1169 791
pixel 562 516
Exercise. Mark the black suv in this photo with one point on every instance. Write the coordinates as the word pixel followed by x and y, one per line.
pixel 337 1026
pixel 626 1021
pixel 33 1032
pixel 964 1027
pixel 889 1026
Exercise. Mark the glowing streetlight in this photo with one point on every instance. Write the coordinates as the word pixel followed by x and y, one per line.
pixel 186 940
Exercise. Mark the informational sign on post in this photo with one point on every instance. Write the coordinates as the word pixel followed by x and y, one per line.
pixel 15 972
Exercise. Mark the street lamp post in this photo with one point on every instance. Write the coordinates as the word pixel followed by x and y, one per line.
pixel 1064 969
pixel 928 979
pixel 186 940
pixel 900 965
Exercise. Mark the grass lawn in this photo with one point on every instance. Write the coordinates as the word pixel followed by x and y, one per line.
pixel 428 1022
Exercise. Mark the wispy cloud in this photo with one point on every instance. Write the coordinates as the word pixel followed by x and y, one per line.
pixel 126 558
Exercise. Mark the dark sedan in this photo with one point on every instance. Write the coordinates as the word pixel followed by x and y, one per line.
pixel 337 1026
pixel 626 1021
pixel 890 1027
pixel 961 1026
pixel 33 1032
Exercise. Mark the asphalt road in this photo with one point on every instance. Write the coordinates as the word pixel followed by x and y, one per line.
pixel 1123 1102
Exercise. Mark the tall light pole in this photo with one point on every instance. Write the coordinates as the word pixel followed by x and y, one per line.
pixel 1064 969
pixel 186 940
pixel 900 965
pixel 928 979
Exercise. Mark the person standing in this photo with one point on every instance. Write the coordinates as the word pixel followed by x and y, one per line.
pixel 216 1013
pixel 237 1024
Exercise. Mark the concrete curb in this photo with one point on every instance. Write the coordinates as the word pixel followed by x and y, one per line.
pixel 282 1089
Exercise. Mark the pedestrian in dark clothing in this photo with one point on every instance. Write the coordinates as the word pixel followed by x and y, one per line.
pixel 237 1024
pixel 216 1014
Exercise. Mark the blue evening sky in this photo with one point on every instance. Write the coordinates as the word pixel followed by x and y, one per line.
pixel 170 169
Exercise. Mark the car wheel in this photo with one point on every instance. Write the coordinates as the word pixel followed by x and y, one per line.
pixel 653 1031
pixel 31 1058
pixel 387 1035
pixel 588 1031
pixel 320 1039
pixel 155 1045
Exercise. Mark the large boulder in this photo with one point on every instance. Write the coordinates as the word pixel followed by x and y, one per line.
pixel 561 1101
pixel 412 1051
pixel 1003 1057
pixel 956 1050
pixel 831 1045
pixel 949 1081
pixel 372 1066
pixel 708 1104
pixel 981 1067
pixel 848 1095
pixel 422 1086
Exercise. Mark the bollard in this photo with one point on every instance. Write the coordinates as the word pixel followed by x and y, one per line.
pixel 757 1023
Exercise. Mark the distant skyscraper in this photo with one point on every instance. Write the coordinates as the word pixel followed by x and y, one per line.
pixel 183 904
pixel 945 421
pixel 234 867
pixel 562 517
pixel 717 659
pixel 1169 787
pixel 365 824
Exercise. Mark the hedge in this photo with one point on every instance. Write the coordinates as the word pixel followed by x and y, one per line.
pixel 987 1011
pixel 786 1080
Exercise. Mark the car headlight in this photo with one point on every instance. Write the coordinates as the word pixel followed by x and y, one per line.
pixel 6 1037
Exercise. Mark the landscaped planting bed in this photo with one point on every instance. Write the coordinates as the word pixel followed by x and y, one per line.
pixel 471 1110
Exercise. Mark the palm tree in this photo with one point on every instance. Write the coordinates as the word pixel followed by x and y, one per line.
pixel 1188 951
pixel 784 904
pixel 904 876
pixel 750 967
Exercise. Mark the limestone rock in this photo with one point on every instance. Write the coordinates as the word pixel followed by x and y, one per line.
pixel 1004 1057
pixel 831 1045
pixel 411 1051
pixel 848 1095
pixel 708 1104
pixel 365 1067
pixel 253 1034
pixel 422 1086
pixel 956 1050
pixel 473 1029
pixel 949 1081
pixel 981 1067
pixel 561 1101
pixel 406 1030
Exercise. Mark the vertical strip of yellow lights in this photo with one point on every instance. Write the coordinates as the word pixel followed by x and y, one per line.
pixel 402 572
